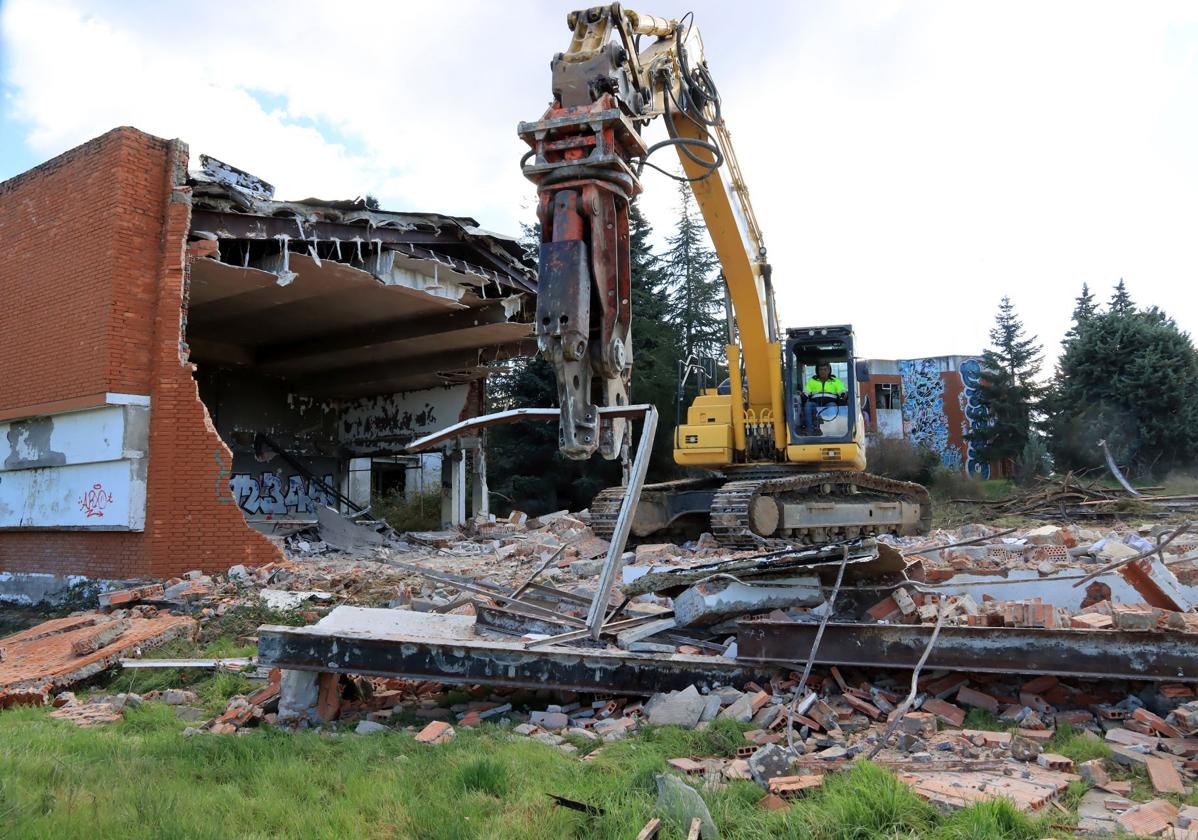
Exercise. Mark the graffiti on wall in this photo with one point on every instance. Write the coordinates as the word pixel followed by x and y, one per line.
pixel 401 417
pixel 269 493
pixel 923 409
pixel 94 500
pixel 975 415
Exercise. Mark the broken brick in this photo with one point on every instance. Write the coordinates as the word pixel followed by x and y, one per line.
pixel 1149 819
pixel 1164 776
pixel 979 699
pixel 437 732
pixel 772 802
pixel 686 765
pixel 789 786
pixel 129 596
pixel 1156 723
pixel 102 637
pixel 1053 761
pixel 953 715
pixel 867 709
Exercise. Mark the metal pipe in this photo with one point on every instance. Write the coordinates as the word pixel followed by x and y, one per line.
pixel 628 505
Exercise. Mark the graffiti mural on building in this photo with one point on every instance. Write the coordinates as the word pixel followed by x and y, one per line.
pixel 401 417
pixel 975 415
pixel 268 494
pixel 923 409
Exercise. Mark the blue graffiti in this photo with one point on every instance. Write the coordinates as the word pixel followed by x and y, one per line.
pixel 923 409
pixel 975 414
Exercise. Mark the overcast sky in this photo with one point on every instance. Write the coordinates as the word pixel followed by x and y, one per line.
pixel 910 163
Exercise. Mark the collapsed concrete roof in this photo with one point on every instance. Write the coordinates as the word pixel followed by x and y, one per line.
pixel 343 299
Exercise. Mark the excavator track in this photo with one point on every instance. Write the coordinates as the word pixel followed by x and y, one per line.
pixel 736 503
pixel 605 507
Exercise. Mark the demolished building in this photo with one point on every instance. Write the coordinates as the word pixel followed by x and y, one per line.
pixel 184 355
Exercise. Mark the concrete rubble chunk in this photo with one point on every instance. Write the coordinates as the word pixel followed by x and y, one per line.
pixel 553 721
pixel 342 533
pixel 713 601
pixel 712 709
pixel 678 708
pixel 1024 748
pixel 1113 550
pixel 920 724
pixel 1093 816
pixel 680 802
pixel 767 762
pixel 369 727
pixel 740 709
pixel 1094 772
pixel 1188 816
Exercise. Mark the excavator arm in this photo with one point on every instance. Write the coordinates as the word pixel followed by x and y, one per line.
pixel 586 156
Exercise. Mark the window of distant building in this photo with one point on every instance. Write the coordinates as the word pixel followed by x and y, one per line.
pixel 888 395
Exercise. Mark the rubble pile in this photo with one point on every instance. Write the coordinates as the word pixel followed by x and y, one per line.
pixel 522 594
pixel 839 717
pixel 44 660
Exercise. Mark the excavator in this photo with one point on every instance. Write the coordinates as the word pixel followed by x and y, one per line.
pixel 779 442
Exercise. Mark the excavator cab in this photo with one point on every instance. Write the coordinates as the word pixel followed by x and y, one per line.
pixel 821 385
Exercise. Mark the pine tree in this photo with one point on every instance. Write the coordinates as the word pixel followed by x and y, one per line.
pixel 525 470
pixel 656 347
pixel 1130 378
pixel 1008 389
pixel 697 291
pixel 1121 301
pixel 1083 310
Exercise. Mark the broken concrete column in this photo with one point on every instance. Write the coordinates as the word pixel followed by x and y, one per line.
pixel 480 495
pixel 453 489
pixel 298 691
pixel 715 600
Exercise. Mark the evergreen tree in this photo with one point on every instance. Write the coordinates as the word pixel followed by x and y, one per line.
pixel 1121 301
pixel 1130 378
pixel 697 289
pixel 1083 310
pixel 656 348
pixel 525 471
pixel 1007 389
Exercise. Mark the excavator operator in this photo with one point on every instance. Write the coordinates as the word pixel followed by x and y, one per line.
pixel 821 390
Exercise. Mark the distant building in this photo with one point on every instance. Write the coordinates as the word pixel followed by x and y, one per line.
pixel 931 402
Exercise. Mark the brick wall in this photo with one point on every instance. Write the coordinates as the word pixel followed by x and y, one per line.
pixel 96 266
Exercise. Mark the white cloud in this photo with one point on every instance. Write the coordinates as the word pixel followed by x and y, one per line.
pixel 909 162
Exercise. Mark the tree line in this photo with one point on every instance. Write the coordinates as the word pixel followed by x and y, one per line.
pixel 1126 375
pixel 678 312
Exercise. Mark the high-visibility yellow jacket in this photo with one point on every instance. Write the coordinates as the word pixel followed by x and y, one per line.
pixel 832 385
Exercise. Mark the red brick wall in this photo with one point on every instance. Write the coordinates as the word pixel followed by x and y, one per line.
pixel 59 238
pixel 95 259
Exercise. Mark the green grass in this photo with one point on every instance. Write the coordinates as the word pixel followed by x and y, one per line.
pixel 228 636
pixel 141 778
pixel 985 720
pixel 422 512
pixel 1076 744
